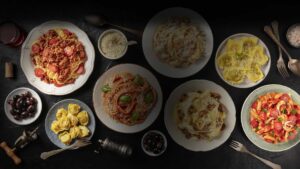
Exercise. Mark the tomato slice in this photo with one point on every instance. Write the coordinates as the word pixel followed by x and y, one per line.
pixel 53 68
pixel 53 41
pixel 254 123
pixel 278 126
pixel 39 72
pixel 293 119
pixel 285 97
pixel 80 69
pixel 254 105
pixel 274 113
pixel 35 48
pixel 263 116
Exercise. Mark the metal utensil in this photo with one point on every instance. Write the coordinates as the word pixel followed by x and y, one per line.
pixel 26 138
pixel 241 148
pixel 121 149
pixel 280 62
pixel 100 21
pixel 293 64
pixel 78 144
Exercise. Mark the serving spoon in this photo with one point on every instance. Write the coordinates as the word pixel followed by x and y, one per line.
pixel 293 64
pixel 100 21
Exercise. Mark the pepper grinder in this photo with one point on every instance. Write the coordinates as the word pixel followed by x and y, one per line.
pixel 121 149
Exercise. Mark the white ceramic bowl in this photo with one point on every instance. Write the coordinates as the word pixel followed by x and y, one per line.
pixel 28 67
pixel 19 91
pixel 100 39
pixel 151 153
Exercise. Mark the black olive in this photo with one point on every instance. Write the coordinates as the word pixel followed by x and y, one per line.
pixel 28 94
pixel 17 117
pixel 16 97
pixel 32 100
pixel 24 114
pixel 17 105
pixel 30 108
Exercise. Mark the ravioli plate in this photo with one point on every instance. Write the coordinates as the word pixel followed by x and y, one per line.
pixel 263 68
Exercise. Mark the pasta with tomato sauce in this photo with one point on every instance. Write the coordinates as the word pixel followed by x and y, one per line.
pixel 128 98
pixel 275 117
pixel 58 57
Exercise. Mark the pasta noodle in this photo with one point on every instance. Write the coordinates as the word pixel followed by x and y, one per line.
pixel 58 57
pixel 128 98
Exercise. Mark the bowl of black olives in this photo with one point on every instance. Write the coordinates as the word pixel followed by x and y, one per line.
pixel 23 106
pixel 154 143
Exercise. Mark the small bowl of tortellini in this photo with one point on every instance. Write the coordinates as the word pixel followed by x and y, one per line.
pixel 243 60
pixel 69 120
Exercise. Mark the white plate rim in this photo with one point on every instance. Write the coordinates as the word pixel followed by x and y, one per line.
pixel 175 136
pixel 111 123
pixel 265 71
pixel 154 61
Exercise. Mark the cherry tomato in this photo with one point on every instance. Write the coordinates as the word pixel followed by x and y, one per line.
pixel 293 119
pixel 80 69
pixel 35 48
pixel 39 72
pixel 254 105
pixel 263 116
pixel 254 123
pixel 285 97
pixel 53 41
pixel 274 113
pixel 53 68
pixel 278 126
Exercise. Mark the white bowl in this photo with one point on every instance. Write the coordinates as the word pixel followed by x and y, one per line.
pixel 19 91
pixel 28 67
pixel 194 144
pixel 99 42
pixel 165 143
pixel 155 61
pixel 247 83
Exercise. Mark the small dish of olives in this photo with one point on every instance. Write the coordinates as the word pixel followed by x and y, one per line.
pixel 23 106
pixel 154 143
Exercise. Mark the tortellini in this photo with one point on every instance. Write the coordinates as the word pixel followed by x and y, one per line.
pixel 83 118
pixel 242 59
pixel 70 124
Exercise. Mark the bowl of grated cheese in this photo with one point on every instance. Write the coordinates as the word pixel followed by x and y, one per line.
pixel 113 44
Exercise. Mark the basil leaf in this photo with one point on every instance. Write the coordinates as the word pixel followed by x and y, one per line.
pixel 105 88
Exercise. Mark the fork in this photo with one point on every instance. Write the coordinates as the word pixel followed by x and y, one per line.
pixel 241 148
pixel 76 145
pixel 280 62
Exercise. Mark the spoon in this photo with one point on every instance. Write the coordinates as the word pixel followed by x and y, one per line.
pixel 100 21
pixel 293 64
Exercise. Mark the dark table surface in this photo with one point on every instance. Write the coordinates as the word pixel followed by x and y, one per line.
pixel 228 21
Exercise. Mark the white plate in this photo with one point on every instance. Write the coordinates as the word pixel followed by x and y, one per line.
pixel 247 83
pixel 195 144
pixel 165 68
pixel 28 67
pixel 19 91
pixel 113 124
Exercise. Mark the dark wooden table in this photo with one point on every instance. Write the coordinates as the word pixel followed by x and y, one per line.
pixel 228 21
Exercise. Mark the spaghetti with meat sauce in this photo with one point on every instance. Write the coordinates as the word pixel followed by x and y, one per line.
pixel 58 57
